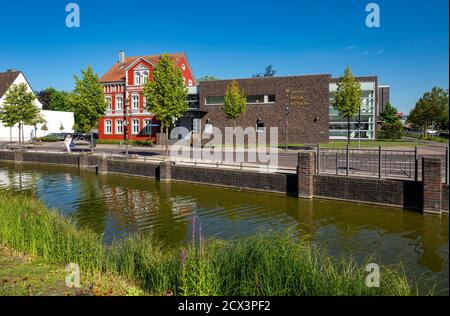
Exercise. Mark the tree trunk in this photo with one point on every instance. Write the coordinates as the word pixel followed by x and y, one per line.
pixel 348 129
pixel 20 142
pixel 167 141
pixel 92 141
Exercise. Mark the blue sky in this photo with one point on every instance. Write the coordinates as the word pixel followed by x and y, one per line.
pixel 234 39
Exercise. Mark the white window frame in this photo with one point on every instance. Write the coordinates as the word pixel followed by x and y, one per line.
pixel 134 105
pixel 183 66
pixel 134 131
pixel 117 103
pixel 108 125
pixel 108 100
pixel 148 127
pixel 119 132
pixel 190 83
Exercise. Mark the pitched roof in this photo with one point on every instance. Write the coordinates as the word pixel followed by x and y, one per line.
pixel 6 80
pixel 117 71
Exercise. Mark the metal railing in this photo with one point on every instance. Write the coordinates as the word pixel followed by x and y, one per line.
pixel 380 163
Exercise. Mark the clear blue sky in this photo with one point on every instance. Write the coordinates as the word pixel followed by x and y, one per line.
pixel 234 39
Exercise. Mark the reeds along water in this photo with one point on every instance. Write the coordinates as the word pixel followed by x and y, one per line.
pixel 264 264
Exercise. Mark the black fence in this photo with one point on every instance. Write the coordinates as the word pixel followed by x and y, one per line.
pixel 380 163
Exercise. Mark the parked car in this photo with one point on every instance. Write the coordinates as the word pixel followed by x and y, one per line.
pixel 432 132
pixel 443 135
pixel 60 136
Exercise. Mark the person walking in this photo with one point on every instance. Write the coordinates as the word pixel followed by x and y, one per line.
pixel 68 143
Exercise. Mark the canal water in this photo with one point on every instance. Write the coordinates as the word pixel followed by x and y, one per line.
pixel 117 205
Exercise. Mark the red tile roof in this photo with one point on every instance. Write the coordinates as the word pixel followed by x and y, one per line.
pixel 117 71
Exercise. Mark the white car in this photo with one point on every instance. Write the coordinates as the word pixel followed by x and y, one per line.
pixel 432 132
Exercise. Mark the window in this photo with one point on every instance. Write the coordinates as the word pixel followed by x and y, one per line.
pixel 260 128
pixel 135 126
pixel 271 98
pixel 144 77
pixel 255 99
pixel 119 127
pixel 137 78
pixel 135 102
pixel 183 66
pixel 108 101
pixel 148 127
pixel 119 103
pixel 190 83
pixel 108 127
pixel 214 100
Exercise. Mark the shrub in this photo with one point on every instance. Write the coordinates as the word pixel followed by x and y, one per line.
pixel 48 139
pixel 148 143
pixel 391 131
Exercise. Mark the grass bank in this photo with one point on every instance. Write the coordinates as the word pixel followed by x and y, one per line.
pixel 259 265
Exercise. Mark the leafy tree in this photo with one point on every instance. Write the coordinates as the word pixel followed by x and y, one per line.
pixel 431 110
pixel 54 100
pixel 166 94
pixel 19 108
pixel 269 72
pixel 390 114
pixel 208 78
pixel 235 102
pixel 44 128
pixel 392 128
pixel 347 100
pixel 88 102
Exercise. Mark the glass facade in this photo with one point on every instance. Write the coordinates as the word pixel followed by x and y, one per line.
pixel 363 125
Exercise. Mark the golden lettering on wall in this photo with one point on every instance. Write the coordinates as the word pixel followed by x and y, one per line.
pixel 296 97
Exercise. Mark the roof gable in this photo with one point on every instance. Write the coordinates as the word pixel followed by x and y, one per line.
pixel 118 71
pixel 6 80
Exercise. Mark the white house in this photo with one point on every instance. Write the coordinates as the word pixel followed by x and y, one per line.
pixel 54 119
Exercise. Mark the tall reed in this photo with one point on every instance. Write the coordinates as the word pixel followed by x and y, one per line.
pixel 264 264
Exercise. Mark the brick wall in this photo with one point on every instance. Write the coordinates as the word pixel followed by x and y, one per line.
pixel 445 196
pixel 132 168
pixel 432 185
pixel 274 182
pixel 406 194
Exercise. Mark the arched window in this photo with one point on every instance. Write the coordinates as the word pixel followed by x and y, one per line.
pixel 137 78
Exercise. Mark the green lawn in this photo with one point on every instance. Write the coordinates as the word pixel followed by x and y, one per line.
pixel 21 275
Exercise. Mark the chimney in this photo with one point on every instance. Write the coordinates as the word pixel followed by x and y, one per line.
pixel 121 57
pixel 12 70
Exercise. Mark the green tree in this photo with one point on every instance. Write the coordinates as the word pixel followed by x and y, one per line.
pixel 19 108
pixel 54 100
pixel 391 127
pixel 431 110
pixel 166 95
pixel 235 102
pixel 88 102
pixel 347 100
pixel 268 73
pixel 44 128
pixel 208 78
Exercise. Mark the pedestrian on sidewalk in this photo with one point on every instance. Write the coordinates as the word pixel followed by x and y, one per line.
pixel 68 143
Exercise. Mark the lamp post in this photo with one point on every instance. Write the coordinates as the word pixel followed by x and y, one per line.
pixel 126 127
pixel 286 113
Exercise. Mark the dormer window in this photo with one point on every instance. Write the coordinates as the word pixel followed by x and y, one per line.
pixel 183 66
pixel 190 83
pixel 140 75
pixel 137 78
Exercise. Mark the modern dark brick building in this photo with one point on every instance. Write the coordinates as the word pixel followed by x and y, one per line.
pixel 306 98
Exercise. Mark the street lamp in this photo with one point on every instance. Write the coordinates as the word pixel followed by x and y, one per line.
pixel 126 127
pixel 286 113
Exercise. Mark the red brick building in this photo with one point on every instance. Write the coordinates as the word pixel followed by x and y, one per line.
pixel 122 85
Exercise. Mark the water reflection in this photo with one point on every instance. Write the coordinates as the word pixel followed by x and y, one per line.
pixel 117 205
